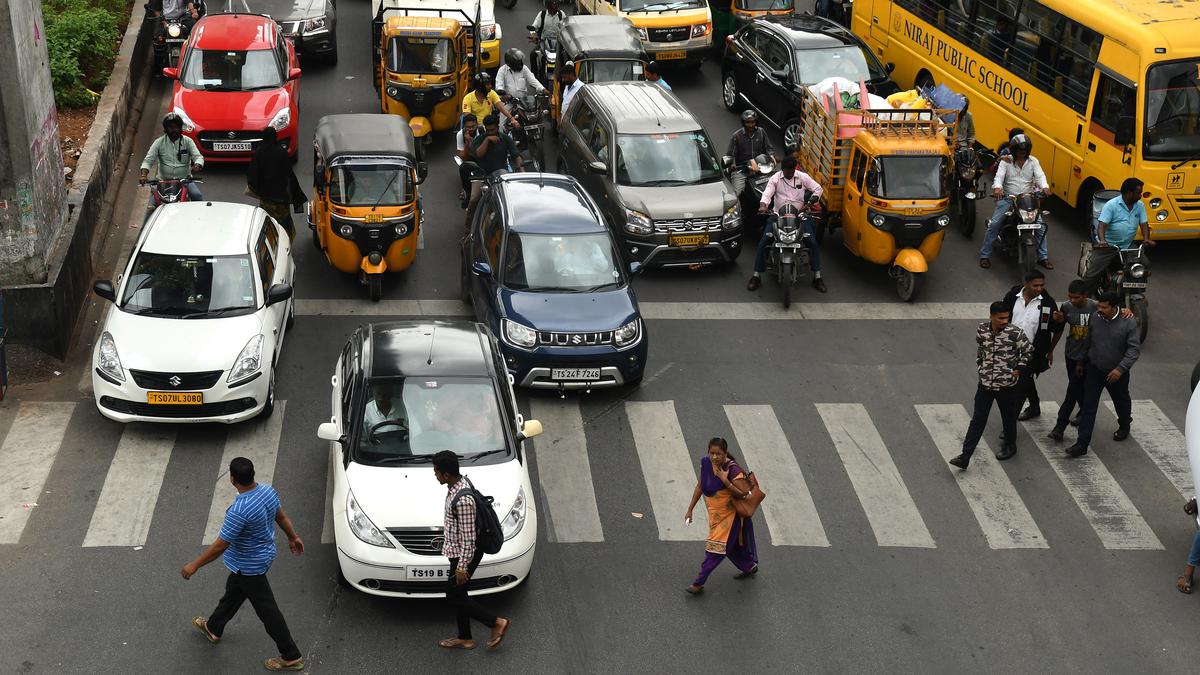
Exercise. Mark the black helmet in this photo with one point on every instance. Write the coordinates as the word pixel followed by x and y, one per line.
pixel 749 116
pixel 1020 142
pixel 481 79
pixel 172 118
pixel 514 58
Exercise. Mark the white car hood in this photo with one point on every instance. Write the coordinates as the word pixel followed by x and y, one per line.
pixel 409 496
pixel 184 345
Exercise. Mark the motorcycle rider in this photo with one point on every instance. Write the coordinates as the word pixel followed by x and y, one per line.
pixel 482 100
pixel 186 11
pixel 788 186
pixel 1120 220
pixel 514 79
pixel 493 150
pixel 744 145
pixel 1023 174
pixel 467 166
pixel 176 155
pixel 547 24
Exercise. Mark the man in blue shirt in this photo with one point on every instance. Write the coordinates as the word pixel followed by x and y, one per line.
pixel 1120 220
pixel 653 74
pixel 247 540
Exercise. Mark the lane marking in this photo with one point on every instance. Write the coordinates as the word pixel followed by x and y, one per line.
pixel 28 452
pixel 1106 506
pixel 1163 442
pixel 256 440
pixel 1001 514
pixel 564 472
pixel 880 487
pixel 126 505
pixel 667 468
pixel 789 509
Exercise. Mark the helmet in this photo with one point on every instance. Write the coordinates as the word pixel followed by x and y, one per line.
pixel 172 118
pixel 514 58
pixel 1020 142
pixel 749 116
pixel 481 79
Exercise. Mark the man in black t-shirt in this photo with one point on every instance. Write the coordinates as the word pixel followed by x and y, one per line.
pixel 493 150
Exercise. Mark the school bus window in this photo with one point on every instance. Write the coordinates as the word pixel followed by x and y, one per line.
pixel 1113 111
pixel 1173 111
pixel 993 29
pixel 1054 53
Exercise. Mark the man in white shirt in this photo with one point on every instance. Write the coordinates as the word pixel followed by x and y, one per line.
pixel 515 80
pixel 789 186
pixel 570 85
pixel 380 409
pixel 1022 175
pixel 1034 311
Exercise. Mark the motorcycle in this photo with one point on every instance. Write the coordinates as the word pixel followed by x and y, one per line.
pixel 530 111
pixel 1129 279
pixel 168 42
pixel 758 173
pixel 1019 233
pixel 965 188
pixel 788 254
pixel 164 191
pixel 545 55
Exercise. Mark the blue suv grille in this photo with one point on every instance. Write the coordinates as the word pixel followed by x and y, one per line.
pixel 552 339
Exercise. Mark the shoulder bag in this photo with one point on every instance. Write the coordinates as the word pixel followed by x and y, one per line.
pixel 747 482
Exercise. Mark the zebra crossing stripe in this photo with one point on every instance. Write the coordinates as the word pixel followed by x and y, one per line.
pixel 258 441
pixel 564 472
pixel 1105 505
pixel 666 467
pixel 789 510
pixel 130 493
pixel 880 488
pixel 1001 514
pixel 1163 442
pixel 26 456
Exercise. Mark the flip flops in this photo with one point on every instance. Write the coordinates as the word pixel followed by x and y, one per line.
pixel 201 625
pixel 276 664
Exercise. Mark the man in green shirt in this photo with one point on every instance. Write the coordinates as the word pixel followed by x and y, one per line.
pixel 176 155
pixel 493 149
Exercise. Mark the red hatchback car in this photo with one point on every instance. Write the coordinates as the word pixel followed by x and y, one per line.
pixel 237 74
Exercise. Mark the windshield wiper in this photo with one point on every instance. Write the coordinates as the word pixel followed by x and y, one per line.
pixel 665 6
pixel 141 312
pixel 404 459
pixel 216 87
pixel 663 182
pixel 384 193
pixel 1180 163
pixel 601 287
pixel 213 312
pixel 485 453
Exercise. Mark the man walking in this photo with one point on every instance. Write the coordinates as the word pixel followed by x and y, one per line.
pixel 1003 352
pixel 1113 346
pixel 459 547
pixel 1033 311
pixel 247 540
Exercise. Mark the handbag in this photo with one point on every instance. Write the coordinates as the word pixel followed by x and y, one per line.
pixel 745 508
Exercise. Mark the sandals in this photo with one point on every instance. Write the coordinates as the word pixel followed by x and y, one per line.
pixel 985 263
pixel 457 643
pixel 498 632
pixel 276 663
pixel 745 575
pixel 1184 584
pixel 201 625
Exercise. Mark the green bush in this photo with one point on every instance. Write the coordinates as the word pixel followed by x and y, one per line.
pixel 82 40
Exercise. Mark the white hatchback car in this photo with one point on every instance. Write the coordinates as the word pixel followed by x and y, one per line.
pixel 401 393
pixel 198 317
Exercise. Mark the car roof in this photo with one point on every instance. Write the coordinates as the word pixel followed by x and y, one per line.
pixel 202 228
pixel 367 134
pixel 234 32
pixel 428 349
pixel 641 107
pixel 805 31
pixel 547 203
pixel 586 36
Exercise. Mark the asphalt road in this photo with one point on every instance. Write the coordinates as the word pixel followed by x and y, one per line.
pixel 1021 568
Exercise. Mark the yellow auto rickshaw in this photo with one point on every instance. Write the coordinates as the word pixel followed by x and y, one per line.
pixel 365 213
pixel 603 48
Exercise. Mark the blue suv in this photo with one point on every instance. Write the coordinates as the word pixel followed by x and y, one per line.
pixel 542 271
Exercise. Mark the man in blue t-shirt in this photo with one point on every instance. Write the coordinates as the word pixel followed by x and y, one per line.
pixel 247 540
pixel 1120 220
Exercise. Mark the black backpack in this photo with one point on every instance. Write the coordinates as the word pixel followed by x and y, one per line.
pixel 488 535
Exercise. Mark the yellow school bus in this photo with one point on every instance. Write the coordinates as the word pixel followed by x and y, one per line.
pixel 1106 89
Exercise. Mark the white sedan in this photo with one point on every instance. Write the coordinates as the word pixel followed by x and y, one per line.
pixel 198 317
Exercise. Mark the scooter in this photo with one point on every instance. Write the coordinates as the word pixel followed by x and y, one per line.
pixel 1022 229
pixel 1129 280
pixel 788 254
pixel 530 112
pixel 545 54
pixel 758 173
pixel 169 42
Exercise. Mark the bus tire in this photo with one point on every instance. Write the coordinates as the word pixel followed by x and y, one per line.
pixel 924 80
pixel 1083 203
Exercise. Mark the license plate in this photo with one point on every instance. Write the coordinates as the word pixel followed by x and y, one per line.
pixel 688 240
pixel 1028 226
pixel 1134 284
pixel 671 55
pixel 175 397
pixel 427 573
pixel 373 218
pixel 574 373
pixel 231 147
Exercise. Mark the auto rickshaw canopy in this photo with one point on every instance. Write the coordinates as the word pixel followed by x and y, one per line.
pixel 365 135
pixel 422 26
pixel 599 37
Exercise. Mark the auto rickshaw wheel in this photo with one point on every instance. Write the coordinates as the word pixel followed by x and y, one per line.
pixel 375 286
pixel 908 284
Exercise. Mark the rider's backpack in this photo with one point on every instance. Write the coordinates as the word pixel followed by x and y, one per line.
pixel 488 535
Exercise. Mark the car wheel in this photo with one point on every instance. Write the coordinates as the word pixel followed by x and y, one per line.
pixel 269 407
pixel 793 135
pixel 729 93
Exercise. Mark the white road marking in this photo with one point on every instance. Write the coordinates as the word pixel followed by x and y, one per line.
pixel 130 493
pixel 789 509
pixel 1103 502
pixel 1002 516
pixel 258 441
pixel 667 468
pixel 382 308
pixel 1163 441
pixel 564 472
pixel 26 456
pixel 880 487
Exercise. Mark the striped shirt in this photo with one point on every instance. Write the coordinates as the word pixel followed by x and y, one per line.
pixel 460 525
pixel 250 530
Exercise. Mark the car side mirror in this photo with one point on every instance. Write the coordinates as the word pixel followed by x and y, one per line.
pixel 481 268
pixel 328 431
pixel 889 67
pixel 635 267
pixel 294 74
pixel 171 73
pixel 781 75
pixel 104 288
pixel 278 293
pixel 598 167
pixel 529 429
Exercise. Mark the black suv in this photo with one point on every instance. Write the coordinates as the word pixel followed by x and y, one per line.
pixel 769 59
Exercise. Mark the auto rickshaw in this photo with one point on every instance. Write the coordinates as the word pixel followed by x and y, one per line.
pixel 365 213
pixel 730 15
pixel 603 48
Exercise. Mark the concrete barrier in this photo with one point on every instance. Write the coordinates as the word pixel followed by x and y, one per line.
pixel 44 315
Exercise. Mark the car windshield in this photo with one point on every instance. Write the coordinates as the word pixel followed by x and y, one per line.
pixel 850 62
pixel 918 177
pixel 189 287
pixel 219 70
pixel 658 5
pixel 570 263
pixel 370 184
pixel 1173 111
pixel 420 55
pixel 609 70
pixel 408 420
pixel 763 5
pixel 666 159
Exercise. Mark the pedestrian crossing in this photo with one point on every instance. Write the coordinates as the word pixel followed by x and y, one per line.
pixel 577 464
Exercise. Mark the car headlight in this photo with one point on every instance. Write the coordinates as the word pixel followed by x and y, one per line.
pixel 519 335
pixel 515 519
pixel 188 125
pixel 248 361
pixel 346 231
pixel 642 34
pixel 878 220
pixel 361 525
pixel 1155 203
pixel 1161 215
pixel 629 334
pixel 637 222
pixel 787 236
pixel 732 217
pixel 701 29
pixel 282 119
pixel 174 30
pixel 108 362
pixel 943 220
pixel 487 32
pixel 314 24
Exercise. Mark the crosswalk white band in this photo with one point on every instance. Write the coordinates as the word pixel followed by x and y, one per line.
pixel 667 467
pixel 564 472
pixel 885 499
pixel 1163 442
pixel 997 506
pixel 788 509
pixel 1102 501
pixel 26 456
pixel 130 493
pixel 257 441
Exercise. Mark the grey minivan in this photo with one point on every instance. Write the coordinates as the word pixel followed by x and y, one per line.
pixel 648 163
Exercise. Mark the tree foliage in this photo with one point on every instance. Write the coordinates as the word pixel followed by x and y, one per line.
pixel 82 38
